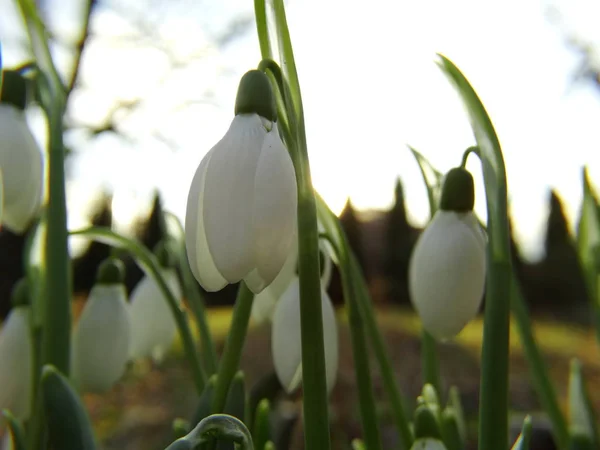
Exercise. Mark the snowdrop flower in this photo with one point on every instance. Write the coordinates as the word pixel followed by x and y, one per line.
pixel 241 208
pixel 286 342
pixel 15 356
pixel 153 326
pixel 448 264
pixel 20 158
pixel 101 338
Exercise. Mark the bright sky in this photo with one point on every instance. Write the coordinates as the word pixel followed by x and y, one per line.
pixel 370 86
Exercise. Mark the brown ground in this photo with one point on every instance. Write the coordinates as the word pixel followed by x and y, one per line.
pixel 138 412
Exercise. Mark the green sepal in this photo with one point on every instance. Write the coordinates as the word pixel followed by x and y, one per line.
pixel 255 96
pixel 458 191
pixel 111 271
pixel 16 430
pixel 204 404
pixel 426 423
pixel 262 430
pixel 235 405
pixel 14 89
pixel 69 426
pixel 20 293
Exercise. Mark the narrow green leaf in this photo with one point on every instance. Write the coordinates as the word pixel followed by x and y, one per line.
pixel 493 401
pixel 432 178
pixel 235 405
pixel 450 428
pixel 582 419
pixel 205 402
pixel 455 405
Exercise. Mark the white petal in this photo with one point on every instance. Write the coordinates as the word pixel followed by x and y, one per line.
pixel 229 197
pixel 199 257
pixel 254 281
pixel 428 444
pixel 22 169
pixel 264 303
pixel 101 339
pixel 153 327
pixel 286 342
pixel 275 207
pixel 447 274
pixel 15 363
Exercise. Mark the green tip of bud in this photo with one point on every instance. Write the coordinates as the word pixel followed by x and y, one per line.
pixel 255 96
pixel 426 425
pixel 20 293
pixel 164 254
pixel 458 192
pixel 14 89
pixel 111 271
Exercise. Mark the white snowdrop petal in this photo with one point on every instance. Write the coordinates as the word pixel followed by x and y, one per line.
pixel 275 206
pixel 15 367
pixel 264 303
pixel 286 342
pixel 254 281
pixel 447 274
pixel 153 327
pixel 101 339
pixel 22 167
pixel 199 257
pixel 229 197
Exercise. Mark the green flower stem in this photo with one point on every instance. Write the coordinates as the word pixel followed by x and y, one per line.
pixel 429 362
pixel 360 351
pixel 232 353
pixel 385 366
pixel 150 264
pixel 539 371
pixel 316 411
pixel 196 301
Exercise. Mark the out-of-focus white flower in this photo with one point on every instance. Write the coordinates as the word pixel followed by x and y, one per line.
pixel 447 273
pixel 102 339
pixel 15 363
pixel 286 342
pixel 152 323
pixel 22 169
pixel 241 209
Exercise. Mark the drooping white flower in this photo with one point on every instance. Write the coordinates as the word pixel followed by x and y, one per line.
pixel 22 169
pixel 153 328
pixel 447 272
pixel 101 339
pixel 15 363
pixel 241 209
pixel 286 344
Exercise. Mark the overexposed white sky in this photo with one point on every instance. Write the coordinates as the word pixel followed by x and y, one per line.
pixel 370 86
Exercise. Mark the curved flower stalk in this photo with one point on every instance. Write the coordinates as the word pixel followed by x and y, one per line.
pixel 448 264
pixel 286 344
pixel 241 209
pixel 153 328
pixel 102 337
pixel 20 157
pixel 15 362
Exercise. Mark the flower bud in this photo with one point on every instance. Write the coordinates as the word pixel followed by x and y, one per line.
pixel 22 169
pixel 447 272
pixel 102 336
pixel 152 323
pixel 15 362
pixel 241 209
pixel 286 343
